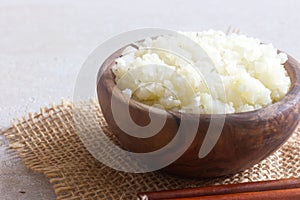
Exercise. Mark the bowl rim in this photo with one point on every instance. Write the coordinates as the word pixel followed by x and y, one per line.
pixel 291 98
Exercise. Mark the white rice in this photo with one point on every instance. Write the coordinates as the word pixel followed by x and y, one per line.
pixel 250 75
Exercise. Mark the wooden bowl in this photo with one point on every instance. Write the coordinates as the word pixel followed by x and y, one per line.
pixel 246 138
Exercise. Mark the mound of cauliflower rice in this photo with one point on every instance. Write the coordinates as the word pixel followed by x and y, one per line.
pixel 203 72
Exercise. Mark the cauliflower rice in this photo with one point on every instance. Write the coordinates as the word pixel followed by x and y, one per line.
pixel 250 75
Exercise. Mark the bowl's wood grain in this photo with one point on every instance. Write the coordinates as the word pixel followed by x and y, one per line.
pixel 246 138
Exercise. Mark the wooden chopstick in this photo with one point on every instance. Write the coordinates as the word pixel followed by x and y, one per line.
pixel 277 189
pixel 285 194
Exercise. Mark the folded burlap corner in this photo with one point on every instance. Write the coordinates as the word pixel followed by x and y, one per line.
pixel 48 142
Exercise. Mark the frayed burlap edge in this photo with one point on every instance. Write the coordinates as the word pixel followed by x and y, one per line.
pixel 48 143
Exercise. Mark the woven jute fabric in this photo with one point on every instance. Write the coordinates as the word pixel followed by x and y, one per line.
pixel 48 142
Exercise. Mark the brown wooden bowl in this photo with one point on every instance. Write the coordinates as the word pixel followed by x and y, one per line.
pixel 246 138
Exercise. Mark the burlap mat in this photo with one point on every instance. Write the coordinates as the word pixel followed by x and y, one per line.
pixel 48 143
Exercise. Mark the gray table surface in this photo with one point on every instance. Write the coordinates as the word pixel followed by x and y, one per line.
pixel 44 43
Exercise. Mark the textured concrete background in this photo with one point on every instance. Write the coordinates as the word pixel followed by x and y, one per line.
pixel 44 43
